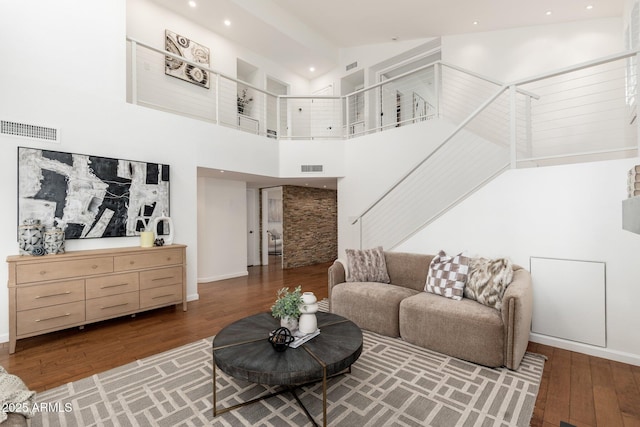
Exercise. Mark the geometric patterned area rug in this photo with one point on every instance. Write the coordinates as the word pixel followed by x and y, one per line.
pixel 392 383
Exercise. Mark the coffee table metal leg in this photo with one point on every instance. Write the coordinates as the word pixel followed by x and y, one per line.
pixel 215 404
pixel 324 395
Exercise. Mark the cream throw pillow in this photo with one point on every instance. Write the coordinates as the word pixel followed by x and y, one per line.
pixel 488 279
pixel 367 265
pixel 447 275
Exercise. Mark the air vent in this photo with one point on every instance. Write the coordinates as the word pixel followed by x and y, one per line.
pixel 24 130
pixel 352 65
pixel 311 168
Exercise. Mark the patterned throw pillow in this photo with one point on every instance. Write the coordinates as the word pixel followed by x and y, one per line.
pixel 367 265
pixel 488 279
pixel 447 275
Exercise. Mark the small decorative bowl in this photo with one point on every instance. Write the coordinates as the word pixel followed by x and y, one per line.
pixel 281 338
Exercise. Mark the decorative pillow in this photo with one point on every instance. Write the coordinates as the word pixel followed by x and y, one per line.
pixel 367 265
pixel 488 279
pixel 447 275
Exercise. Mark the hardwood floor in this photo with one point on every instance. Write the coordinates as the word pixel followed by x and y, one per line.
pixel 582 390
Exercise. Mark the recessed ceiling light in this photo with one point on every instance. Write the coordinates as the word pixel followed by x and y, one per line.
pixel 475 22
pixel 192 3
pixel 227 22
pixel 590 7
pixel 312 69
pixel 548 12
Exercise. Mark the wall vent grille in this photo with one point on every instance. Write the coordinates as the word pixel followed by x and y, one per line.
pixel 24 130
pixel 311 168
pixel 352 65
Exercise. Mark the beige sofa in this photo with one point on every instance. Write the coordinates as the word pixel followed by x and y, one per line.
pixel 464 329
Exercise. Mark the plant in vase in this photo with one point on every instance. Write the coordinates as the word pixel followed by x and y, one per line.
pixel 287 307
pixel 243 101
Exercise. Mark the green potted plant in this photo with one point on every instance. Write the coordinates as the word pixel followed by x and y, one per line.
pixel 287 307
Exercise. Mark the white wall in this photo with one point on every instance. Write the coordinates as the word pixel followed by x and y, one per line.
pixel 72 57
pixel 518 53
pixel 569 212
pixel 222 229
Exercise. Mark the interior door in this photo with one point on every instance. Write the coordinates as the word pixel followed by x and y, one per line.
pixel 253 241
pixel 388 106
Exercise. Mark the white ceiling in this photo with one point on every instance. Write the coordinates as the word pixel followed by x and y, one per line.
pixel 301 33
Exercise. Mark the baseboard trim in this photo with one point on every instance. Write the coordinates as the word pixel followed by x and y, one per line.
pixel 193 297
pixel 605 353
pixel 222 277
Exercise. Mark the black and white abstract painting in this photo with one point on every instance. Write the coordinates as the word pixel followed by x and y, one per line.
pixel 194 52
pixel 90 196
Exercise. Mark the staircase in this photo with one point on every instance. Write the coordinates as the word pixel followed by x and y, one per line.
pixel 582 113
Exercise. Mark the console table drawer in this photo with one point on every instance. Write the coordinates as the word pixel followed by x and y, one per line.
pixel 113 305
pixel 161 296
pixel 161 277
pixel 52 317
pixel 112 285
pixel 56 292
pixel 30 297
pixel 27 273
pixel 147 260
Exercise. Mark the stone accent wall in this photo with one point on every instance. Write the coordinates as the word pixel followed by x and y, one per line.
pixel 310 225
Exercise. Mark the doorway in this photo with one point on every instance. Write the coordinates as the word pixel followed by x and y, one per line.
pixel 272 235
pixel 253 226
pixel 279 88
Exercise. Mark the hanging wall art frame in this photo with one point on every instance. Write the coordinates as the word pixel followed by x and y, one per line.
pixel 194 52
pixel 90 196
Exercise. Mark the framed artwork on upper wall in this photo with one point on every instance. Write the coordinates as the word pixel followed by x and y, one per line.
pixel 90 196
pixel 194 52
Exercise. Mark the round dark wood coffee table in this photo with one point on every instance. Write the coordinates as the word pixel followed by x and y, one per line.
pixel 242 351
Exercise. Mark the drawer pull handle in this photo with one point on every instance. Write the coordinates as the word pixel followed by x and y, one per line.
pixel 94 266
pixel 162 278
pixel 53 295
pixel 114 306
pixel 113 286
pixel 162 296
pixel 54 317
pixel 43 272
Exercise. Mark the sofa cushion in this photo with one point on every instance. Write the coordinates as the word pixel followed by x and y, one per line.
pixel 408 270
pixel 366 265
pixel 487 281
pixel 370 305
pixel 463 329
pixel 447 275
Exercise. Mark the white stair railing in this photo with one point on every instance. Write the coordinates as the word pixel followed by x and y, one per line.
pixel 583 112
pixel 587 111
pixel 458 166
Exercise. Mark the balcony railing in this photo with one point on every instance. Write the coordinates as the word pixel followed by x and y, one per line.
pixel 431 91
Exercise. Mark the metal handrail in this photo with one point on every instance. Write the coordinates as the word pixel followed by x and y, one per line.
pixel 460 127
pixel 577 67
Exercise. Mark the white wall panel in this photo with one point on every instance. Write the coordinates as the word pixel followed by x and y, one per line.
pixel 569 299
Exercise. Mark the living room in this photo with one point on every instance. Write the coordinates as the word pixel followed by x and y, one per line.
pixel 69 74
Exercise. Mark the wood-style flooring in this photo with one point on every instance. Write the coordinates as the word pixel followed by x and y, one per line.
pixel 578 389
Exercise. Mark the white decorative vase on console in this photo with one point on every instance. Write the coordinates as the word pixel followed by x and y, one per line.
pixel 309 307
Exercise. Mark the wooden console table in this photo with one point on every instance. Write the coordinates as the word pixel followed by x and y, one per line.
pixel 55 292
